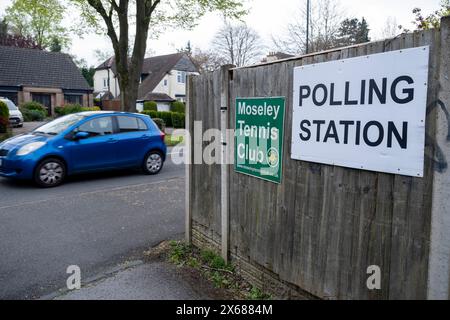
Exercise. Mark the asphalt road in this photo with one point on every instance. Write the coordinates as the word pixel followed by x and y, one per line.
pixel 93 221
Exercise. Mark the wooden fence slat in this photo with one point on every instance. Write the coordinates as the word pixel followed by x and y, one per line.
pixel 323 225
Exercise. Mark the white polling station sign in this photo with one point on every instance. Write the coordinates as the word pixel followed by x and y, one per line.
pixel 365 113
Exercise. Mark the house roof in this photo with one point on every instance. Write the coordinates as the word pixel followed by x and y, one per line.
pixel 109 63
pixel 158 97
pixel 38 68
pixel 156 68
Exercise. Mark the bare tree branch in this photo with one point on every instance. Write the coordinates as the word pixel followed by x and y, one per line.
pixel 326 16
pixel 237 44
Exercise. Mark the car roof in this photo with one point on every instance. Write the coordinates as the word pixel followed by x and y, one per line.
pixel 94 113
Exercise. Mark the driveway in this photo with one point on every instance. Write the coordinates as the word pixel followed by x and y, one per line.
pixel 94 221
pixel 27 127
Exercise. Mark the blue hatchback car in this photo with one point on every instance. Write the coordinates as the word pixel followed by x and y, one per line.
pixel 84 142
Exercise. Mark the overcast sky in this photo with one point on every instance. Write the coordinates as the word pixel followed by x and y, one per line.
pixel 267 17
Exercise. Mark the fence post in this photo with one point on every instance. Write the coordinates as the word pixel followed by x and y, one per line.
pixel 189 120
pixel 225 194
pixel 439 257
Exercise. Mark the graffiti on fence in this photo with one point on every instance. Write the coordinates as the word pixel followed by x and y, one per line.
pixel 435 152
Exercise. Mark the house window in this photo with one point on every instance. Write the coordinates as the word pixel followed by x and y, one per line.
pixel 44 99
pixel 73 99
pixel 165 82
pixel 181 77
pixel 105 82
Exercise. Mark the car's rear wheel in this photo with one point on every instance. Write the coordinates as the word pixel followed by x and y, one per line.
pixel 50 173
pixel 153 162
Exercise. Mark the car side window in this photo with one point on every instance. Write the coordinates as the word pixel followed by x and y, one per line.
pixel 130 124
pixel 97 127
pixel 142 124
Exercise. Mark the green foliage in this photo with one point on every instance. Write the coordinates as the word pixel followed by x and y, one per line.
pixel 171 140
pixel 257 294
pixel 214 268
pixel 155 18
pixel 55 45
pixel 73 108
pixel 167 117
pixel 193 262
pixel 219 279
pixel 88 74
pixel 33 111
pixel 353 31
pixel 167 14
pixel 32 115
pixel 215 261
pixel 171 119
pixel 178 106
pixel 432 20
pixel 178 120
pixel 4 117
pixel 33 105
pixel 152 114
pixel 179 252
pixel 160 123
pixel 150 106
pixel 40 20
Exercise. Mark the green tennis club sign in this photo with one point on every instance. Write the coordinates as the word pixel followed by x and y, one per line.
pixel 259 137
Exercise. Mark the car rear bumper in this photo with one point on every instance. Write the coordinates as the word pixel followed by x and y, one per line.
pixel 15 121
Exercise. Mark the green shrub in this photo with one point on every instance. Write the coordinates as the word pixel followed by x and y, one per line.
pixel 33 115
pixel 150 106
pixel 33 111
pixel 4 117
pixel 160 123
pixel 171 119
pixel 179 252
pixel 152 114
pixel 178 120
pixel 73 108
pixel 167 117
pixel 68 109
pixel 33 105
pixel 96 108
pixel 177 106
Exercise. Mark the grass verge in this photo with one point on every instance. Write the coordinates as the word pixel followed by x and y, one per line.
pixel 213 267
pixel 171 140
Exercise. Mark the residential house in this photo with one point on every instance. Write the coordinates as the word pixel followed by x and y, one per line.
pixel 163 79
pixel 50 78
pixel 274 56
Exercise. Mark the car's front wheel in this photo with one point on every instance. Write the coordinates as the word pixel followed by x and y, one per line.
pixel 153 162
pixel 50 173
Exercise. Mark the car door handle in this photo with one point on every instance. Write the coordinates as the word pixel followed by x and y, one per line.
pixel 145 136
pixel 112 140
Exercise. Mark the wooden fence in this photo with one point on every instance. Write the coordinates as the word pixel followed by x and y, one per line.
pixel 111 105
pixel 321 228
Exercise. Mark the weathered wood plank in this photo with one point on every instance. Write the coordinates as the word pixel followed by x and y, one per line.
pixel 323 225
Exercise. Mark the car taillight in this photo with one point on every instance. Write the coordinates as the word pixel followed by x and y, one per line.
pixel 162 135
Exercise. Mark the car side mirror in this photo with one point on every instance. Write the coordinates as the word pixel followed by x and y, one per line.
pixel 81 135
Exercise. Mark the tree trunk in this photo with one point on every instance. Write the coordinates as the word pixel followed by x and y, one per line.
pixel 128 68
pixel 128 95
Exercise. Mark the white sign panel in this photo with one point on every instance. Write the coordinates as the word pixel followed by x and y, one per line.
pixel 365 113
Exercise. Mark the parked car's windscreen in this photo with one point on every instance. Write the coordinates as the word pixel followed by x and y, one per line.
pixel 59 125
pixel 10 104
